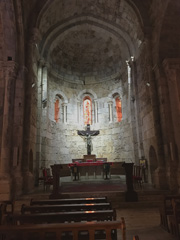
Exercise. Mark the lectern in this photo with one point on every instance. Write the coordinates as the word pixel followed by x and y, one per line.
pixel 131 195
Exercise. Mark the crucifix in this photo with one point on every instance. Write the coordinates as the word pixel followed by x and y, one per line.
pixel 88 133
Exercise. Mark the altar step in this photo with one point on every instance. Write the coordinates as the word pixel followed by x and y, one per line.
pixel 151 198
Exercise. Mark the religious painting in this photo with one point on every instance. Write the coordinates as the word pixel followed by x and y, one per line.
pixel 118 109
pixel 87 110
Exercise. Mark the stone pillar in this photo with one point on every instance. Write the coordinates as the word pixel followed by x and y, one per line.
pixel 134 103
pixel 38 163
pixel 131 195
pixel 30 130
pixel 56 168
pixel 172 70
pixel 18 131
pixel 110 111
pixel 78 111
pixel 95 111
pixel 8 77
pixel 64 112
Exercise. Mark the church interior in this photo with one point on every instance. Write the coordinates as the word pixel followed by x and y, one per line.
pixel 90 81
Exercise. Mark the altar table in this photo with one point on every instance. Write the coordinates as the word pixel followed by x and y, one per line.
pixel 80 169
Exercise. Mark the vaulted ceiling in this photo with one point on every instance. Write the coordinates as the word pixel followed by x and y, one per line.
pixel 91 38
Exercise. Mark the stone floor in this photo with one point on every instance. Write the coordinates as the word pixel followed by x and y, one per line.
pixel 143 221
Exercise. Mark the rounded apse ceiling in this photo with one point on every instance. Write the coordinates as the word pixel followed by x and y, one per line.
pixel 81 45
pixel 85 52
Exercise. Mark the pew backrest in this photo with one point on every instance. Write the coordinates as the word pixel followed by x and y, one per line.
pixel 64 207
pixel 67 201
pixel 61 217
pixel 23 232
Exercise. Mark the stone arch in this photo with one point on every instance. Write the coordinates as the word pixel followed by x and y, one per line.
pixel 87 94
pixel 115 111
pixel 60 31
pixel 153 163
pixel 61 95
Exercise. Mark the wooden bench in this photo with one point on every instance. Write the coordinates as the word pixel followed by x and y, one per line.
pixel 65 231
pixel 65 207
pixel 166 209
pixel 67 201
pixel 61 217
pixel 174 219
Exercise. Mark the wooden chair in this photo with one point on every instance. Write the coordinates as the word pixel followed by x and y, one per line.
pixel 137 176
pixel 47 178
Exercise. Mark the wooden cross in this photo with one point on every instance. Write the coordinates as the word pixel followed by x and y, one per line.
pixel 88 133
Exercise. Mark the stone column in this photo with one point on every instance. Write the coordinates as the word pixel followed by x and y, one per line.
pixel 64 112
pixel 95 111
pixel 30 129
pixel 110 111
pixel 39 116
pixel 172 70
pixel 131 195
pixel 78 111
pixel 18 130
pixel 134 104
pixel 8 77
pixel 56 168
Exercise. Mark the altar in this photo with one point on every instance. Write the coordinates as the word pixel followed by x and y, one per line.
pixel 90 167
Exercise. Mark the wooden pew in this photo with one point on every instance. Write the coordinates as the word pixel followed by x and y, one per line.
pixel 166 209
pixel 174 220
pixel 65 207
pixel 61 217
pixel 65 231
pixel 68 201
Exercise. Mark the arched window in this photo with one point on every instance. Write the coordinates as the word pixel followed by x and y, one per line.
pixel 87 110
pixel 118 109
pixel 56 110
pixel 60 109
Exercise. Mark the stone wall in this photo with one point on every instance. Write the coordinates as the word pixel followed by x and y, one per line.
pixel 60 141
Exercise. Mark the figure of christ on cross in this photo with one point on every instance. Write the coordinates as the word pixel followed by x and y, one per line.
pixel 88 133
